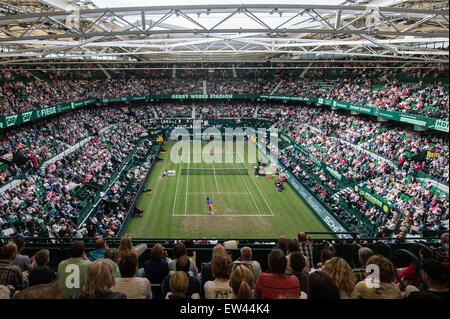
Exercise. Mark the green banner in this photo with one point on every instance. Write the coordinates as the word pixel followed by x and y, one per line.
pixel 432 123
pixel 379 202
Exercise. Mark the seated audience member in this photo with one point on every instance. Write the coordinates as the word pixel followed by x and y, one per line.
pixel 292 246
pixel 277 283
pixel 219 288
pixel 133 287
pixel 179 249
pixel 189 243
pixel 5 292
pixel 441 253
pixel 183 264
pixel 407 274
pixel 40 291
pixel 156 269
pixel 100 278
pixel 364 253
pixel 100 248
pixel 385 288
pixel 206 274
pixel 179 284
pixel 306 248
pixel 41 273
pixel 72 271
pixel 435 276
pixel 246 258
pixel 326 254
pixel 113 254
pixel 342 274
pixel 126 247
pixel 242 282
pixel 321 286
pixel 11 274
pixel 282 244
pixel 22 261
pixel 298 264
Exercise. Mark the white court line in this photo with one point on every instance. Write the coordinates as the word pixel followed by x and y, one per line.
pixel 250 193
pixel 221 215
pixel 187 186
pixel 253 179
pixel 214 170
pixel 221 193
pixel 176 190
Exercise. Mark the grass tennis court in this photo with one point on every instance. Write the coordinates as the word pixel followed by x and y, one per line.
pixel 245 206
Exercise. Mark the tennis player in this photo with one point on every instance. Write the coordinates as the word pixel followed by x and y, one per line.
pixel 210 206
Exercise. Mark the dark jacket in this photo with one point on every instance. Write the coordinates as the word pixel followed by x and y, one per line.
pixel 156 271
pixel 41 275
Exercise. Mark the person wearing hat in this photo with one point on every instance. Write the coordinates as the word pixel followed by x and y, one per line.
pixel 435 276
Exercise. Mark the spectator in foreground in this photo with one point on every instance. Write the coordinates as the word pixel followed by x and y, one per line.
pixel 41 291
pixel 22 261
pixel 179 285
pixel 242 282
pixel 41 273
pixel 292 246
pixel 72 271
pixel 156 269
pixel 11 274
pixel 100 248
pixel 100 278
pixel 5 292
pixel 133 287
pixel 326 254
pixel 219 288
pixel 206 274
pixel 342 275
pixel 182 264
pixel 364 253
pixel 277 283
pixel 386 288
pixel 113 254
pixel 435 276
pixel 306 248
pixel 298 264
pixel 246 258
pixel 407 274
pixel 126 247
pixel 321 286
pixel 441 253
pixel 178 250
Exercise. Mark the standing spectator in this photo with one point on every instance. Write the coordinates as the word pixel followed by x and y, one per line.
pixel 386 289
pixel 178 250
pixel 72 271
pixel 364 253
pixel 219 288
pixel 306 248
pixel 126 247
pixel 22 261
pixel 133 287
pixel 242 282
pixel 182 264
pixel 246 258
pixel 100 278
pixel 156 269
pixel 298 264
pixel 435 276
pixel 41 273
pixel 11 274
pixel 277 283
pixel 206 274
pixel 342 274
pixel 100 248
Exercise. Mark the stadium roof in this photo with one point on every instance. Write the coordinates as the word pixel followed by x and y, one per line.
pixel 400 30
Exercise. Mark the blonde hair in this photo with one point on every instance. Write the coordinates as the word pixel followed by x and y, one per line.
pixel 100 277
pixel 341 273
pixel 179 283
pixel 126 246
pixel 242 281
